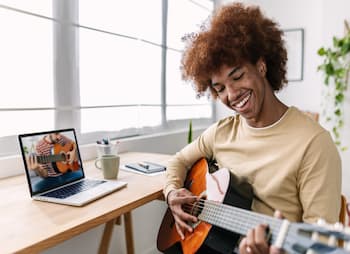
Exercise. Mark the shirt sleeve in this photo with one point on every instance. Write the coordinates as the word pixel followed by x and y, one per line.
pixel 183 160
pixel 319 180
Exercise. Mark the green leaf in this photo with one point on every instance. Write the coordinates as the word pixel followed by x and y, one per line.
pixel 326 80
pixel 340 72
pixel 320 67
pixel 337 112
pixel 335 132
pixel 335 41
pixel 345 48
pixel 321 51
pixel 338 85
pixel 189 136
pixel 329 69
pixel 339 97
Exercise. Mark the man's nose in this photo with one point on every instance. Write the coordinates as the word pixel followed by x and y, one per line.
pixel 232 93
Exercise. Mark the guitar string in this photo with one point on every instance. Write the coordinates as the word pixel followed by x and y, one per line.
pixel 50 158
pixel 219 211
pixel 246 214
pixel 274 229
pixel 213 210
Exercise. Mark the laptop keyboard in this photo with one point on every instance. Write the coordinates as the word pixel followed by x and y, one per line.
pixel 73 189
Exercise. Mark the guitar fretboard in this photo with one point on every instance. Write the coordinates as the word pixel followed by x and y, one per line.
pixel 51 158
pixel 236 219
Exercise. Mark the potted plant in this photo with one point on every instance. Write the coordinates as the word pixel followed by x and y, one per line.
pixel 336 68
pixel 189 133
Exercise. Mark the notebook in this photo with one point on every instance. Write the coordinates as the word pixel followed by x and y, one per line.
pixel 54 169
pixel 145 167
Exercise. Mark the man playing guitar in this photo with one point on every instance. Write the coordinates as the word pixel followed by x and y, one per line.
pixel 290 161
pixel 55 157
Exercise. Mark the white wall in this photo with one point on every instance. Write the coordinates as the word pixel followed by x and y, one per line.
pixel 321 20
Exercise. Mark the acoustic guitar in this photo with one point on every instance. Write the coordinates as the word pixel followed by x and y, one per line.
pixel 59 158
pixel 222 222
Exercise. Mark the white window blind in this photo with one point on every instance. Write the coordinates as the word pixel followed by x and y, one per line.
pixel 26 65
pixel 184 17
pixel 102 67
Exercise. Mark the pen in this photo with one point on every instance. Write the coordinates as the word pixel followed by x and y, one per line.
pixel 146 166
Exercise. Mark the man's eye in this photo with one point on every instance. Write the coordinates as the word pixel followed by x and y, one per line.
pixel 238 77
pixel 220 89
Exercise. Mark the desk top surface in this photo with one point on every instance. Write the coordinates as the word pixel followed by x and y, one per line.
pixel 31 226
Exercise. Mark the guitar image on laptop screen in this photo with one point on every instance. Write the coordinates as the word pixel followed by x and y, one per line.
pixel 54 155
pixel 62 157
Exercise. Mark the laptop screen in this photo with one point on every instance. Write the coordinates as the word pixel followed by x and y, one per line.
pixel 51 159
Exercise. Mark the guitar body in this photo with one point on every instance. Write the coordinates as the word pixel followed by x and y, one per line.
pixel 62 166
pixel 221 186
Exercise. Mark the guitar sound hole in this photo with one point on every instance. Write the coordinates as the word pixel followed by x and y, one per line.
pixel 197 208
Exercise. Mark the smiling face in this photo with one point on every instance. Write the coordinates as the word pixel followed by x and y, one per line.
pixel 245 89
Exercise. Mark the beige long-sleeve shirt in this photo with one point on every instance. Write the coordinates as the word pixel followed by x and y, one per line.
pixel 293 165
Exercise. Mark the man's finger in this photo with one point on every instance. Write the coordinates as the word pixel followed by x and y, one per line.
pixel 260 234
pixel 179 231
pixel 278 214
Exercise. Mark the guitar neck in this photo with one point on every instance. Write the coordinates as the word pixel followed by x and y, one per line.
pixel 236 219
pixel 50 158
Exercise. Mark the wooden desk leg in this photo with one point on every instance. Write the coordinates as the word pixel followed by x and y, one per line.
pixel 106 237
pixel 128 233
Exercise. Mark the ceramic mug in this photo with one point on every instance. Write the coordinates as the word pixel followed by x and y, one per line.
pixel 109 164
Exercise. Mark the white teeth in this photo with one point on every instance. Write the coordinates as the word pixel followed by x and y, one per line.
pixel 242 102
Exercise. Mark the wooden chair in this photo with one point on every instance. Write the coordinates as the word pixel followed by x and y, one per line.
pixel 344 210
pixel 348 212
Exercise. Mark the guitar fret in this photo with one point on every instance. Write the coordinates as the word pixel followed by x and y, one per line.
pixel 236 219
pixel 50 158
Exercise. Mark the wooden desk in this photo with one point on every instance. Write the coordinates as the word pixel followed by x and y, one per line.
pixel 31 226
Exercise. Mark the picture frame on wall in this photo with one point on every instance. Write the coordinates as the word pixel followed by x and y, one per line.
pixel 294 39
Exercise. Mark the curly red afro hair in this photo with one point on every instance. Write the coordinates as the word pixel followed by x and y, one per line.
pixel 236 34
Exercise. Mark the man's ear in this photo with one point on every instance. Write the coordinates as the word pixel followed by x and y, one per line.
pixel 261 65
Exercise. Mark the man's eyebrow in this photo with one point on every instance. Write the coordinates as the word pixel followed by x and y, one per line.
pixel 233 71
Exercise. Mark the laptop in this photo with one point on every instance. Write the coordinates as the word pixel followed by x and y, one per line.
pixel 54 169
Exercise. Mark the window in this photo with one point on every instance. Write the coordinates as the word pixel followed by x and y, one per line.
pixel 100 66
pixel 26 64
pixel 184 17
pixel 123 59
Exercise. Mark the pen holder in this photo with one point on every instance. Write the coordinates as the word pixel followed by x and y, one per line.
pixel 103 149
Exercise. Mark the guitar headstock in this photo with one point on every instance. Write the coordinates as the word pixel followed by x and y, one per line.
pixel 320 238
